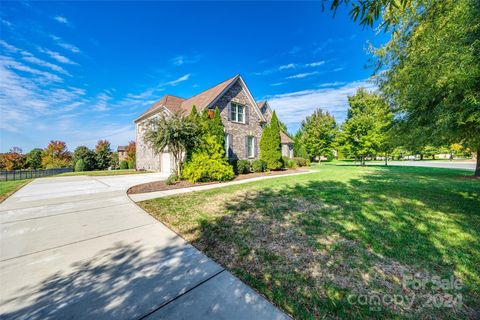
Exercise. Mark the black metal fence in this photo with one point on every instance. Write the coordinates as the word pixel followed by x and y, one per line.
pixel 30 174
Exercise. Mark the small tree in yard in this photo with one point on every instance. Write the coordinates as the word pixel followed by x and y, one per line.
pixel 208 161
pixel 103 154
pixel 131 154
pixel 176 133
pixel 34 158
pixel 318 134
pixel 270 148
pixel 80 165
pixel 56 155
pixel 87 155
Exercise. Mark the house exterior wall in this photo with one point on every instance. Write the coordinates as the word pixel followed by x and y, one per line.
pixel 287 150
pixel 240 131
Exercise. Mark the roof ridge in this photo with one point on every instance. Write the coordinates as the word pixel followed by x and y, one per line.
pixel 231 78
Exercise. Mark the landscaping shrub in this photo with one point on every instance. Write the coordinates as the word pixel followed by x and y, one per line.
pixel 300 162
pixel 131 164
pixel 172 179
pixel 203 168
pixel 243 166
pixel 123 165
pixel 270 150
pixel 233 163
pixel 259 166
pixel 290 164
pixel 80 165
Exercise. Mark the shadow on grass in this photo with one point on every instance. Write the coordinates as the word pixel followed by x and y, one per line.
pixel 309 246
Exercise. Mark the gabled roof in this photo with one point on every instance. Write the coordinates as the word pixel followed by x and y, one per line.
pixel 261 104
pixel 172 103
pixel 284 138
pixel 121 148
pixel 201 101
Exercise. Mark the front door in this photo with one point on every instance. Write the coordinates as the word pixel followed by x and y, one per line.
pixel 165 163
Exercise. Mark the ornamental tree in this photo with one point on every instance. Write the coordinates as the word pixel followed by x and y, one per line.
pixel 318 134
pixel 103 154
pixel 270 148
pixel 56 155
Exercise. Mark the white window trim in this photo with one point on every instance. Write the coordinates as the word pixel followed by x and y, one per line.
pixel 236 113
pixel 227 143
pixel 251 147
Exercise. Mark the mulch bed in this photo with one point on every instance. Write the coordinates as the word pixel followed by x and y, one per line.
pixel 162 186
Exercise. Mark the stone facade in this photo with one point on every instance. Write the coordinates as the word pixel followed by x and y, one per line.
pixel 239 131
pixel 235 132
pixel 287 150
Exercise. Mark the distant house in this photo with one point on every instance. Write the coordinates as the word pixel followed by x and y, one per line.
pixel 242 117
pixel 122 154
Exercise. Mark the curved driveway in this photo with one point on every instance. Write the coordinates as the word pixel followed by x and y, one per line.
pixel 78 248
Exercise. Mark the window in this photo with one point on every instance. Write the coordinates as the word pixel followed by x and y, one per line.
pixel 237 112
pixel 250 147
pixel 227 144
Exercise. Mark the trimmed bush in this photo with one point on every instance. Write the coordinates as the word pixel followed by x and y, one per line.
pixel 300 162
pixel 131 164
pixel 290 164
pixel 172 179
pixel 80 165
pixel 259 166
pixel 123 165
pixel 243 166
pixel 203 168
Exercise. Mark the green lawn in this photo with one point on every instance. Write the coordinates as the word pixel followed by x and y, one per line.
pixel 318 245
pixel 9 187
pixel 102 173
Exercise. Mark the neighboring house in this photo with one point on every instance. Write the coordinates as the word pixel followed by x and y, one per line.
pixel 241 116
pixel 122 154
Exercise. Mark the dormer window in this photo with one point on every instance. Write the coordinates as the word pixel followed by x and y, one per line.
pixel 237 112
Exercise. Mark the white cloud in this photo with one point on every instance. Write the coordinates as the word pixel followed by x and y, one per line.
pixel 315 64
pixel 8 46
pixel 287 66
pixel 330 84
pixel 65 45
pixel 44 76
pixel 61 19
pixel 179 60
pixel 57 56
pixel 177 81
pixel 293 107
pixel 102 102
pixel 27 56
pixel 302 75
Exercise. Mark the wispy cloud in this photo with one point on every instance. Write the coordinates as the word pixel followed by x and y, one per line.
pixel 315 64
pixel 289 66
pixel 10 63
pixel 302 75
pixel 182 59
pixel 27 56
pixel 294 106
pixel 176 81
pixel 330 84
pixel 8 46
pixel 61 19
pixel 102 101
pixel 57 56
pixel 65 45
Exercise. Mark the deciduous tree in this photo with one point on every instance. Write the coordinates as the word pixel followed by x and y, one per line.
pixel 318 134
pixel 56 155
pixel 103 154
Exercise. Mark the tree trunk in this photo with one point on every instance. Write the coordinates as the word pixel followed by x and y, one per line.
pixel 477 167
pixel 421 156
pixel 386 159
pixel 433 157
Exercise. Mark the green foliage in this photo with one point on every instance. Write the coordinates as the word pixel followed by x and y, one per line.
pixel 207 161
pixel 103 155
pixel 203 168
pixel 88 156
pixel 270 148
pixel 172 179
pixel 124 164
pixel 80 165
pixel 131 164
pixel 177 133
pixel 259 166
pixel 289 163
pixel 34 159
pixel 300 162
pixel 431 72
pixel 298 147
pixel 131 154
pixel 365 130
pixel 318 133
pixel 243 166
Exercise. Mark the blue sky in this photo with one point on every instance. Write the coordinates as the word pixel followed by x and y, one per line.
pixel 82 71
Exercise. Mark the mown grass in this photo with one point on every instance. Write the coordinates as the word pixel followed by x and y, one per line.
pixel 317 244
pixel 9 187
pixel 103 172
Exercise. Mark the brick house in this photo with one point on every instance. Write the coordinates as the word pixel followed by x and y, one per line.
pixel 242 117
pixel 122 153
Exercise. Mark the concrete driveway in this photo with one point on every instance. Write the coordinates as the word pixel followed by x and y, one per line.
pixel 79 248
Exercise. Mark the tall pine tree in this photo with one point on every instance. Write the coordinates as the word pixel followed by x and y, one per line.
pixel 270 148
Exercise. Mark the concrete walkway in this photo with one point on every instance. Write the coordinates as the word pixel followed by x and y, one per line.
pixel 79 248
pixel 159 194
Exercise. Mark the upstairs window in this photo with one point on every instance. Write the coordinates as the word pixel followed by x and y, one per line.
pixel 237 112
